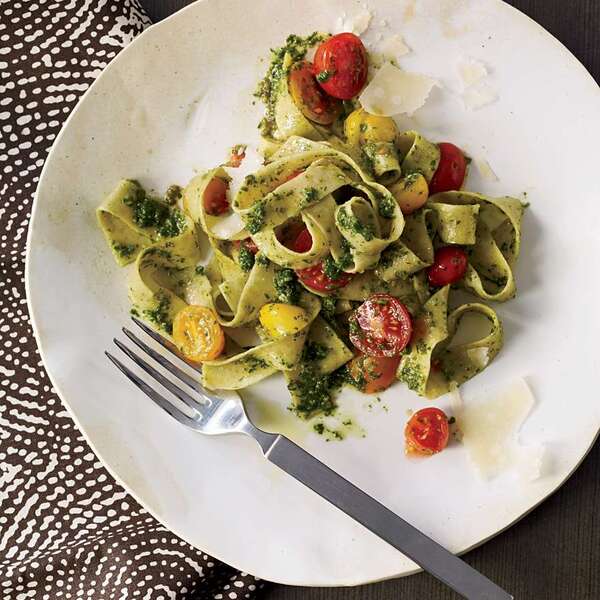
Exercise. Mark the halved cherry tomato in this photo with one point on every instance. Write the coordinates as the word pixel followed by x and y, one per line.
pixel 248 243
pixel 449 266
pixel 373 374
pixel 303 242
pixel 314 277
pixel 341 65
pixel 427 431
pixel 381 326
pixel 309 97
pixel 289 232
pixel 215 197
pixel 198 334
pixel 451 171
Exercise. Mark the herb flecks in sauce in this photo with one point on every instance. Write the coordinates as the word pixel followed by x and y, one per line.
pixel 295 47
pixel 246 259
pixel 287 287
pixel 151 212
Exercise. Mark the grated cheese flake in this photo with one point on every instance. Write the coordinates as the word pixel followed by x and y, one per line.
pixel 393 92
pixel 394 46
pixel 490 428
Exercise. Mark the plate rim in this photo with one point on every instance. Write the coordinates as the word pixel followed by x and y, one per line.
pixel 574 63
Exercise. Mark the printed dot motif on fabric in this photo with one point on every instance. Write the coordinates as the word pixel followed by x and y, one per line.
pixel 66 529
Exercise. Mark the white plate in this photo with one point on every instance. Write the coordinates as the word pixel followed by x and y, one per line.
pixel 175 101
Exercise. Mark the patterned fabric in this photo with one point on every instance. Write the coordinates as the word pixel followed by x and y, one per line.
pixel 67 530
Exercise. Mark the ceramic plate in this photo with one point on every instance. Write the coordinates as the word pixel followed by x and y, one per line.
pixel 173 103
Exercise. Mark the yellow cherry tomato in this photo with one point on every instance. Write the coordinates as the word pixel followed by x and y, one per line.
pixel 280 319
pixel 198 334
pixel 411 192
pixel 362 127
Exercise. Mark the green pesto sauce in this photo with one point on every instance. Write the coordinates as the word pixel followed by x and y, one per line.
pixel 350 222
pixel 124 250
pixel 159 315
pixel 315 392
pixel 328 305
pixel 253 363
pixel 314 351
pixel 296 46
pixel 387 206
pixel 151 212
pixel 246 259
pixel 255 218
pixel 287 287
pixel 173 194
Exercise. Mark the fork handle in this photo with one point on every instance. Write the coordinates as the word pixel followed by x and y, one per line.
pixel 428 554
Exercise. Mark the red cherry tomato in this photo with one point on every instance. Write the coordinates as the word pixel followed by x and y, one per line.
pixel 215 197
pixel 449 266
pixel 381 326
pixel 314 277
pixel 451 171
pixel 250 245
pixel 427 431
pixel 373 374
pixel 288 234
pixel 309 97
pixel 303 243
pixel 341 65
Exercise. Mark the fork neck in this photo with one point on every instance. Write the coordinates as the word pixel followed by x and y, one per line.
pixel 265 439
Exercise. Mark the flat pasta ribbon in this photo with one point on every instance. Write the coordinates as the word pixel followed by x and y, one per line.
pixel 433 366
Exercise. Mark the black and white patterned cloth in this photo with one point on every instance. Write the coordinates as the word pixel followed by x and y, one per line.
pixel 67 529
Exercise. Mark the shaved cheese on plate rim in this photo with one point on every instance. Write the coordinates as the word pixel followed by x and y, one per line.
pixel 394 92
pixel 394 46
pixel 490 428
pixel 471 71
pixel 479 95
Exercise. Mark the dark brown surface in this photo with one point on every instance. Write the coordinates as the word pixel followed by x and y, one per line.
pixel 554 553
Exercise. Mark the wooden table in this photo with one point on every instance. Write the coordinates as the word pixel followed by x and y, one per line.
pixel 554 553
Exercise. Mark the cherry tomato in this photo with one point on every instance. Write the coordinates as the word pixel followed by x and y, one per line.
pixel 427 431
pixel 215 197
pixel 451 171
pixel 288 233
pixel 248 243
pixel 381 326
pixel 238 154
pixel 198 334
pixel 449 266
pixel 373 374
pixel 341 65
pixel 302 243
pixel 314 277
pixel 309 97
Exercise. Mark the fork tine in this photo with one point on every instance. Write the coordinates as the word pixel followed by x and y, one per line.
pixel 153 394
pixel 164 361
pixel 161 340
pixel 166 383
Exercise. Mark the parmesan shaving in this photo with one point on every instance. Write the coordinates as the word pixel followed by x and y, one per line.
pixel 479 96
pixel 485 170
pixel 490 428
pixel 393 92
pixel 471 72
pixel 357 24
pixel 394 46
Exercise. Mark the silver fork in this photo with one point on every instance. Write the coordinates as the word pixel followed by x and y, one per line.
pixel 212 415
